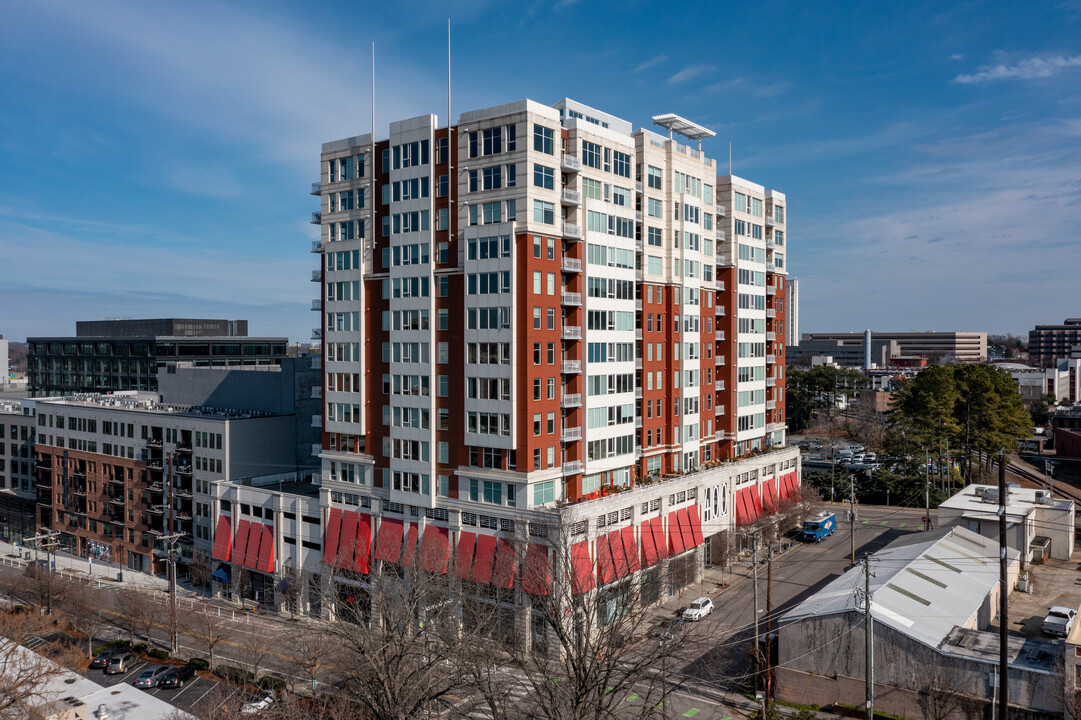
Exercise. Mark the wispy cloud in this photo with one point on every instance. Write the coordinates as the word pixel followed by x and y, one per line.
pixel 691 71
pixel 652 62
pixel 1032 68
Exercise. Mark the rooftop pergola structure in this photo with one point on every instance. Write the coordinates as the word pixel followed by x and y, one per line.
pixel 684 127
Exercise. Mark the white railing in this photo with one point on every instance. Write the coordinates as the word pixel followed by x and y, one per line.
pixel 572 332
pixel 720 210
pixel 317 276
pixel 571 264
pixel 572 231
pixel 572 433
pixel 569 162
pixel 572 366
pixel 317 305
pixel 317 188
pixel 317 246
pixel 570 467
pixel 572 197
pixel 572 298
pixel 317 217
pixel 572 400
pixel 317 333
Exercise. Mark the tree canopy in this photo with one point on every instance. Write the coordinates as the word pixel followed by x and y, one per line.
pixel 820 386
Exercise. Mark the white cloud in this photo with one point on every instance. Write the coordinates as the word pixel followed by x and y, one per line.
pixel 691 71
pixel 1032 68
pixel 652 62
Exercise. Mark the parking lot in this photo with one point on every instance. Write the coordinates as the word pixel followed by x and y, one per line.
pixel 1057 582
pixel 198 689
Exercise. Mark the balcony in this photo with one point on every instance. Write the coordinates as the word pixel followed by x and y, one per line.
pixel 572 400
pixel 317 276
pixel 317 188
pixel 571 332
pixel 638 333
pixel 638 186
pixel 116 481
pixel 771 336
pixel 157 488
pixel 639 245
pixel 720 235
pixel 154 465
pixel 572 231
pixel 572 367
pixel 156 509
pixel 719 311
pixel 317 217
pixel 638 363
pixel 572 467
pixel 770 243
pixel 719 385
pixel 638 392
pixel 317 334
pixel 720 409
pixel 720 210
pixel 570 434
pixel 771 313
pixel 182 494
pixel 638 216
pixel 317 305
pixel 317 421
pixel 153 442
pixel 719 284
pixel 317 362
pixel 317 246
pixel 720 359
pixel 769 221
pixel 572 298
pixel 771 404
pixel 638 421
pixel 571 197
pixel 638 304
pixel 317 392
pixel 571 163
pixel 184 470
pixel 184 448
pixel 771 359
pixel 569 264
pixel 770 382
pixel 719 336
pixel 78 491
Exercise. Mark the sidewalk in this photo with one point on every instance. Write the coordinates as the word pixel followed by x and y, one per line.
pixel 105 573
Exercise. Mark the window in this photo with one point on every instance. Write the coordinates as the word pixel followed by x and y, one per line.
pixel 591 154
pixel 544 492
pixel 621 164
pixel 655 208
pixel 653 177
pixel 543 177
pixel 542 140
pixel 492 140
pixel 544 212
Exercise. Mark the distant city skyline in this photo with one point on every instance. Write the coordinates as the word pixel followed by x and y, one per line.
pixel 158 164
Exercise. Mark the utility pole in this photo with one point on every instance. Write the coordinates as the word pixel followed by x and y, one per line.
pixel 49 538
pixel 852 515
pixel 926 491
pixel 1003 619
pixel 172 539
pixel 754 572
pixel 769 625
pixel 869 646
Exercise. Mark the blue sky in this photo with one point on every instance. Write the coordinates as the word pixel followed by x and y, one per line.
pixel 155 158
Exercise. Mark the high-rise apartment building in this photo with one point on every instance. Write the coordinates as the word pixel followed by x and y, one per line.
pixel 540 306
pixel 791 330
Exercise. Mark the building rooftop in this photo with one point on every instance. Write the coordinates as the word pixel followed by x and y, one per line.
pixel 1021 652
pixel 981 501
pixel 924 585
pixel 148 402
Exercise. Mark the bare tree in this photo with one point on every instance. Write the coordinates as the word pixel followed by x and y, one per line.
pixel 25 673
pixel 39 588
pixel 137 611
pixel 206 624
pixel 589 648
pixel 307 643
pixel 254 649
pixel 83 611
pixel 200 572
pixel 943 689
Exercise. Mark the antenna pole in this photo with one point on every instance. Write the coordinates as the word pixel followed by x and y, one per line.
pixel 1003 620
pixel 448 87
pixel 869 647
pixel 729 157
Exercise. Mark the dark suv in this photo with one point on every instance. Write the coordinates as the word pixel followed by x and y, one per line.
pixel 177 677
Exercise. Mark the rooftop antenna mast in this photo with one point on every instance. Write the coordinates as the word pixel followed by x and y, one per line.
pixel 729 157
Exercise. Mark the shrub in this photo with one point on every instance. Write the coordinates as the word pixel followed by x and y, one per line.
pixel 139 647
pixel 114 645
pixel 235 674
pixel 199 664
pixel 157 653
pixel 271 683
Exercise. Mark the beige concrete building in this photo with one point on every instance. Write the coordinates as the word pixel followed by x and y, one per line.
pixel 960 346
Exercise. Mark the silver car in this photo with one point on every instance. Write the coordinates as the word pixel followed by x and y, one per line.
pixel 151 676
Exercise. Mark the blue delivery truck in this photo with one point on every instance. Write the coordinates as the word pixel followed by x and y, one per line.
pixel 820 526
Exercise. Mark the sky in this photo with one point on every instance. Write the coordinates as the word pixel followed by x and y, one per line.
pixel 155 158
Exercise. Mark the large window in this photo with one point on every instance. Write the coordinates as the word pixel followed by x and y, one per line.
pixel 542 140
pixel 543 177
pixel 544 212
pixel 591 154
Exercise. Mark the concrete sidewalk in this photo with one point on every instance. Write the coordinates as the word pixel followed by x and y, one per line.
pixel 104 573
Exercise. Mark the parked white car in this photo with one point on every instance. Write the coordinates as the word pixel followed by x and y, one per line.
pixel 1059 621
pixel 698 609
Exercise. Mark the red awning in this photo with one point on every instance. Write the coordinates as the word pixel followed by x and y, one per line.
pixel 434 547
pixel 463 561
pixel 264 562
pixel 649 548
pixel 606 571
pixel 755 501
pixel 223 539
pixel 685 527
pixel 410 552
pixel 331 536
pixel 347 541
pixel 630 550
pixel 503 573
pixel 770 496
pixel 363 549
pixel 482 563
pixel 619 555
pixel 695 516
pixel 582 565
pixel 741 508
pixel 388 545
pixel 535 573
pixel 240 551
pixel 659 540
pixel 675 535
